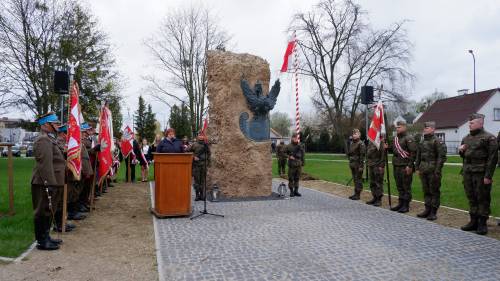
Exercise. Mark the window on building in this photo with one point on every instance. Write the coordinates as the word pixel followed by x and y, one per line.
pixel 441 136
pixel 496 114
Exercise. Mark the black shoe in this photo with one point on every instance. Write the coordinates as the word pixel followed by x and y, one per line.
pixel 398 206
pixel 83 209
pixel 292 193
pixel 197 198
pixel 432 215
pixel 425 213
pixel 76 216
pixel 378 201
pixel 471 225
pixel 47 245
pixel 482 227
pixel 405 208
pixel 58 229
pixel 296 192
pixel 55 240
pixel 371 202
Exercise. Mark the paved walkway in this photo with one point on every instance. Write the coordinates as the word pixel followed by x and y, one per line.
pixel 319 237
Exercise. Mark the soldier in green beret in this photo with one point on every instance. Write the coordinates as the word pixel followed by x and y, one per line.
pixel 296 160
pixel 431 156
pixel 357 151
pixel 47 180
pixel 404 151
pixel 281 155
pixel 479 149
pixel 201 159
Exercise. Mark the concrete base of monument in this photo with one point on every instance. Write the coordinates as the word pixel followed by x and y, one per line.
pixel 223 199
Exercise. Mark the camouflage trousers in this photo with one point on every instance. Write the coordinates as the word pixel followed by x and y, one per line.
pixel 478 194
pixel 431 185
pixel 199 172
pixel 357 177
pixel 294 177
pixel 403 182
pixel 376 181
pixel 40 200
pixel 281 166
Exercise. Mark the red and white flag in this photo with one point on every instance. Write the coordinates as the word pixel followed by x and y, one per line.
pixel 288 53
pixel 105 155
pixel 127 144
pixel 73 137
pixel 377 127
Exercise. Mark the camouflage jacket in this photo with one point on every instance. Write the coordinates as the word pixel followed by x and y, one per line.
pixel 297 151
pixel 198 149
pixel 431 155
pixel 375 157
pixel 480 155
pixel 357 151
pixel 281 151
pixel 407 143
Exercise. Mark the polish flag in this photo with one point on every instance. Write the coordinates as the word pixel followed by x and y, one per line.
pixel 377 127
pixel 289 51
pixel 127 142
pixel 106 141
pixel 73 138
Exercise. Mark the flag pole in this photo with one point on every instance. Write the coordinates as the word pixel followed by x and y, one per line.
pixel 386 155
pixel 296 70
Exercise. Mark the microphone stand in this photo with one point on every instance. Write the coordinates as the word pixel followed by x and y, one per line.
pixel 205 212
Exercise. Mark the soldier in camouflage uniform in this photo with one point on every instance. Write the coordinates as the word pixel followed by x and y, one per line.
pixel 404 151
pixel 201 154
pixel 357 151
pixel 296 159
pixel 375 158
pixel 479 151
pixel 281 156
pixel 431 156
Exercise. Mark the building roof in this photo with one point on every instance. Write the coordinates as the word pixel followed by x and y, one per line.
pixel 276 134
pixel 454 112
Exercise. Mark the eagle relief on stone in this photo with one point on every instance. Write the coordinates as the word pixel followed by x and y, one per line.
pixel 258 128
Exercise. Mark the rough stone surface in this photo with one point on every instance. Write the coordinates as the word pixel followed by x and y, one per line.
pixel 319 237
pixel 239 166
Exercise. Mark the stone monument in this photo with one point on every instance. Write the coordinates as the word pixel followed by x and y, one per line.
pixel 238 130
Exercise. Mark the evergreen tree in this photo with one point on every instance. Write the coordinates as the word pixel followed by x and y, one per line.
pixel 140 119
pixel 150 126
pixel 179 120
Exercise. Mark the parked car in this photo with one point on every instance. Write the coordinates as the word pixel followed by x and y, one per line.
pixel 29 151
pixel 16 152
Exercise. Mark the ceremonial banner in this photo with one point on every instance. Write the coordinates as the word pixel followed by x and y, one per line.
pixel 289 50
pixel 105 156
pixel 377 126
pixel 73 138
pixel 127 142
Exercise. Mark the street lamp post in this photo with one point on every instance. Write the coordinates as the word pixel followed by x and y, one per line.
pixel 474 60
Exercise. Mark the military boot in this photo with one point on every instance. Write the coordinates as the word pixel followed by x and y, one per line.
pixel 296 191
pixel 425 213
pixel 372 201
pixel 405 207
pixel 355 196
pixel 73 213
pixel 43 242
pixel 482 227
pixel 472 225
pixel 432 214
pixel 47 227
pixel 292 191
pixel 378 201
pixel 398 206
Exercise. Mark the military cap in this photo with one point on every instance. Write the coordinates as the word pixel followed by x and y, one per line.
pixel 401 123
pixel 355 131
pixel 49 117
pixel 476 116
pixel 85 126
pixel 430 124
pixel 63 129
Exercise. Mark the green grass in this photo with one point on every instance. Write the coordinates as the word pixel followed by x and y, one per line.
pixel 16 232
pixel 452 191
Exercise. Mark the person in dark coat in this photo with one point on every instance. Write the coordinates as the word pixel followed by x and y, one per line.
pixel 170 144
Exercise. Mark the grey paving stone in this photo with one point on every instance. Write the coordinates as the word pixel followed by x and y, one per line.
pixel 319 237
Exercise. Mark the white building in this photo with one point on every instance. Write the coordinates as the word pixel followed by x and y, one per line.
pixel 452 115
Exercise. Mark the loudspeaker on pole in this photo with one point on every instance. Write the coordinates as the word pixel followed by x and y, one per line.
pixel 366 94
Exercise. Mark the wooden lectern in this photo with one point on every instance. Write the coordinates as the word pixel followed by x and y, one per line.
pixel 172 184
